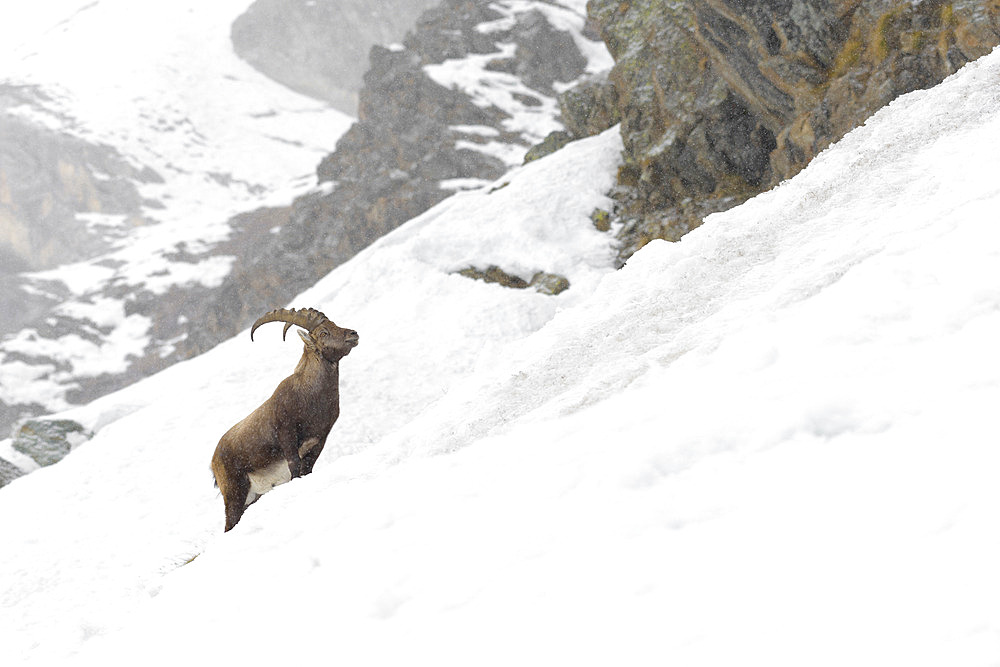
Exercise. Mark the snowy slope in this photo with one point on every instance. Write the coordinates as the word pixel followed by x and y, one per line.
pixel 159 82
pixel 770 443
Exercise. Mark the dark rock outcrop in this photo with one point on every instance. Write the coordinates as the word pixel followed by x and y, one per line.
pixel 720 99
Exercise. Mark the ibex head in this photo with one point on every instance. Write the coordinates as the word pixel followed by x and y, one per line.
pixel 324 337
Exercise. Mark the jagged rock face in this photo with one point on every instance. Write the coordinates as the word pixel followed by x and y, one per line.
pixel 320 47
pixel 416 141
pixel 692 146
pixel 815 70
pixel 720 99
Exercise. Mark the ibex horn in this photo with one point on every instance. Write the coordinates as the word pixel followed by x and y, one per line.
pixel 307 318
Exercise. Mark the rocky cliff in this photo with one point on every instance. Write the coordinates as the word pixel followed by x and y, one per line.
pixel 721 99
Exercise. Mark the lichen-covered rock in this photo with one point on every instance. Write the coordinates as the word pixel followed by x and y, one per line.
pixel 8 472
pixel 494 274
pixel 590 107
pixel 601 220
pixel 549 283
pixel 48 441
pixel 542 282
pixel 687 135
pixel 721 99
pixel 812 70
pixel 552 142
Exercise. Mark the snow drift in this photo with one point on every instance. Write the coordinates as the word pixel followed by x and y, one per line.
pixel 769 443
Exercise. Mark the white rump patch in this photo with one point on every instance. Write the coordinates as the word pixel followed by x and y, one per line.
pixel 265 479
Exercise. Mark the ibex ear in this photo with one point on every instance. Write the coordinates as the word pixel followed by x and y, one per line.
pixel 307 339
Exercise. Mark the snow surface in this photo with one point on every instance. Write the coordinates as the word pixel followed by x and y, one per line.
pixel 770 443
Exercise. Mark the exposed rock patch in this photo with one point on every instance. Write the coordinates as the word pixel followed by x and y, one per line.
pixel 545 283
pixel 48 441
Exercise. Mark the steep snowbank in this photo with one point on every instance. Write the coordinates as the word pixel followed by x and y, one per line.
pixel 769 443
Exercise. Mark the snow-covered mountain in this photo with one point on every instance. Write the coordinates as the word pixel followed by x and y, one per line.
pixel 772 442
pixel 192 201
pixel 204 136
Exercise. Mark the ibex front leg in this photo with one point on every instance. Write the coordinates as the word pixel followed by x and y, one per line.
pixel 310 451
pixel 289 444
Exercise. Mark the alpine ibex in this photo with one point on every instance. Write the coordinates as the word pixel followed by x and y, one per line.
pixel 282 438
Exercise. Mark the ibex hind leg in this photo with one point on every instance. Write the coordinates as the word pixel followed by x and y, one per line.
pixel 235 498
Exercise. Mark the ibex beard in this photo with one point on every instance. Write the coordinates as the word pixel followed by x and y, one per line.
pixel 282 438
